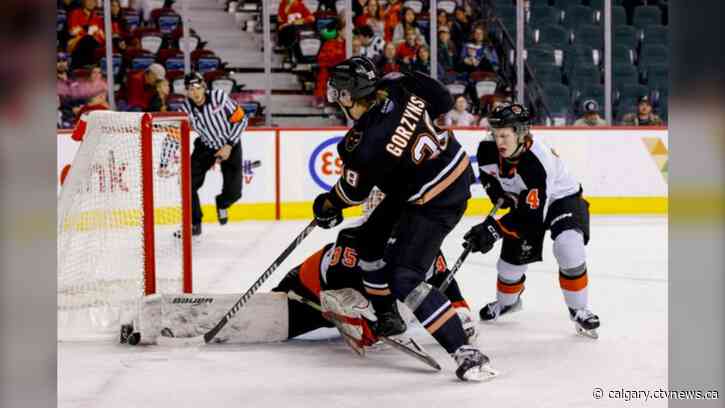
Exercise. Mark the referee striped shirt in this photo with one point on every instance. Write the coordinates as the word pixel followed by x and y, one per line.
pixel 218 121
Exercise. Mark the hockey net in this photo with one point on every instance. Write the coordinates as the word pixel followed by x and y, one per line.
pixel 124 227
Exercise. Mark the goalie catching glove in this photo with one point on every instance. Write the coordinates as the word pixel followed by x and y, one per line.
pixel 351 312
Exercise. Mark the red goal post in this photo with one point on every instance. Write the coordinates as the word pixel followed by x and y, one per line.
pixel 124 220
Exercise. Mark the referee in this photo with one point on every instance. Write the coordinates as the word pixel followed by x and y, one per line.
pixel 219 121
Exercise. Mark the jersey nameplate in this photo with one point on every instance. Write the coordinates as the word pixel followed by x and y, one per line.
pixel 408 122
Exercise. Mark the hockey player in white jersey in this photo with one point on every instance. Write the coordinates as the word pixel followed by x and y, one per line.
pixel 535 184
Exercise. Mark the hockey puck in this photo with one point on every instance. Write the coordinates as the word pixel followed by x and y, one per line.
pixel 134 338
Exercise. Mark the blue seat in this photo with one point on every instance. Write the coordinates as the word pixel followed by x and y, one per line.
pixel 582 76
pixel 168 23
pixel 578 15
pixel 141 62
pixel 116 61
pixel 646 15
pixel 656 34
pixel 541 15
pixel 206 64
pixel 174 63
pixel 625 35
pixel 589 35
pixel 554 35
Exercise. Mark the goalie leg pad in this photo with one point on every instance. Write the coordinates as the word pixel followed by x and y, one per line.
pixel 263 319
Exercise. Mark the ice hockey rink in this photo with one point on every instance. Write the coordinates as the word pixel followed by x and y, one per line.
pixel 543 363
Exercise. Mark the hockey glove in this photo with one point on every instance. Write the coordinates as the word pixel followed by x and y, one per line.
pixel 495 191
pixel 351 312
pixel 481 237
pixel 326 214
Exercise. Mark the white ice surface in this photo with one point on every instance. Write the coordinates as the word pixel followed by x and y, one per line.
pixel 543 363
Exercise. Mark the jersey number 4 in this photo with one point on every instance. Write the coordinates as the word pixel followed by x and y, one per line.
pixel 532 199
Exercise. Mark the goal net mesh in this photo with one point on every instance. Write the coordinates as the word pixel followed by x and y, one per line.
pixel 109 255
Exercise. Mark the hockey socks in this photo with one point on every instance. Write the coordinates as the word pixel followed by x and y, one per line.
pixel 437 314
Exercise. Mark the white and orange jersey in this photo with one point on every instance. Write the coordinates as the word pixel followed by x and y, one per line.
pixel 538 177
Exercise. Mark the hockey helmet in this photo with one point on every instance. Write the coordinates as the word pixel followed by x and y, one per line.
pixel 511 116
pixel 355 78
pixel 194 78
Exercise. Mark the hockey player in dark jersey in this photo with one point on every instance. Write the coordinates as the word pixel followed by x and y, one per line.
pixel 339 268
pixel 395 146
pixel 534 183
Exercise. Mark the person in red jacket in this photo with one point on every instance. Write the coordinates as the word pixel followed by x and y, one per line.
pixel 331 53
pixel 292 14
pixel 85 27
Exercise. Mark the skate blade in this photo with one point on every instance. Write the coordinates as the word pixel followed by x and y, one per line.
pixel 483 374
pixel 592 334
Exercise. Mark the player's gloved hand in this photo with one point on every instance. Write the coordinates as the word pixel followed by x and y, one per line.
pixel 351 312
pixel 326 214
pixel 495 192
pixel 481 237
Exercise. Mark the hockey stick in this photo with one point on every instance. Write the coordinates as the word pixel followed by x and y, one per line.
pixel 252 165
pixel 207 337
pixel 410 348
pixel 465 253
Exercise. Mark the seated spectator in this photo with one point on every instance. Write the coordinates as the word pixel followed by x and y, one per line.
pixel 372 44
pixel 460 26
pixel 85 28
pixel 422 60
pixel 96 102
pixel 372 17
pixel 408 49
pixel 644 115
pixel 392 18
pixel 291 15
pixel 118 26
pixel 590 117
pixel 93 85
pixel 479 54
pixel 358 7
pixel 447 52
pixel 407 23
pixel 389 62
pixel 357 47
pixel 65 115
pixel 331 53
pixel 460 116
pixel 63 82
pixel 140 86
pixel 158 101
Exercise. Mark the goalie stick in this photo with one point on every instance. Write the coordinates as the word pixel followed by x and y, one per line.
pixel 166 340
pixel 465 253
pixel 409 347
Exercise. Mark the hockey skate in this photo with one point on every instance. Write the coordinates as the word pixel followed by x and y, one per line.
pixel 389 322
pixel 473 365
pixel 585 322
pixel 494 309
